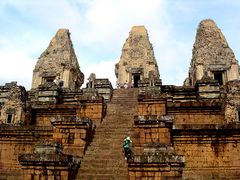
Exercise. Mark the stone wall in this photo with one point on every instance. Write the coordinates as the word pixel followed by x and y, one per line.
pixel 211 152
pixel 196 112
pixel 201 133
pixel 73 133
pixel 94 110
pixel 48 162
pixel 80 105
pixel 151 130
pixel 232 107
pixel 15 140
pixel 152 107
pixel 153 155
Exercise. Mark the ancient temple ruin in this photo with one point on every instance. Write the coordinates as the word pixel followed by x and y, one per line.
pixel 211 56
pixel 59 63
pixel 60 130
pixel 137 61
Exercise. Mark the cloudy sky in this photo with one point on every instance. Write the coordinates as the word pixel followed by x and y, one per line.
pixel 99 29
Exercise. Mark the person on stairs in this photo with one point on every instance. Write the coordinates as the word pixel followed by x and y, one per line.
pixel 126 146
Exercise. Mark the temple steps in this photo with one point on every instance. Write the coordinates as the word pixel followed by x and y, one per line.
pixel 104 158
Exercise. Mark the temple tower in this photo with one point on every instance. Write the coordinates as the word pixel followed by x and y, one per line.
pixel 137 61
pixel 211 56
pixel 58 63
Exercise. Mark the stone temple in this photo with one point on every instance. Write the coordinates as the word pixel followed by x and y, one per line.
pixel 58 130
pixel 137 61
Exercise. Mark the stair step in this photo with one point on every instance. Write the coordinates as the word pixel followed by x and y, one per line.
pixel 104 158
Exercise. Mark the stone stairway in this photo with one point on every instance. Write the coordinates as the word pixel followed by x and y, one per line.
pixel 104 159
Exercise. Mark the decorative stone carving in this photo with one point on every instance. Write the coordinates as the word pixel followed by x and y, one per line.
pixel 91 80
pixel 59 61
pixel 13 107
pixel 211 55
pixel 137 59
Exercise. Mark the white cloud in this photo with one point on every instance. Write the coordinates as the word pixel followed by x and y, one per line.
pixel 16 66
pixel 98 30
pixel 108 22
pixel 48 13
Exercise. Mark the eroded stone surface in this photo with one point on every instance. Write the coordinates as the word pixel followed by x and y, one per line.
pixel 50 156
pixel 211 54
pixel 13 104
pixel 232 107
pixel 179 132
pixel 59 62
pixel 137 61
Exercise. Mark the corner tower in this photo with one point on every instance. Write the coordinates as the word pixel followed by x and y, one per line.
pixel 59 62
pixel 137 61
pixel 211 56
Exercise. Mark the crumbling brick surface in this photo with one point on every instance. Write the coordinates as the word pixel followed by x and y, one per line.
pixel 13 101
pixel 59 61
pixel 178 132
pixel 137 57
pixel 211 52
pixel 211 152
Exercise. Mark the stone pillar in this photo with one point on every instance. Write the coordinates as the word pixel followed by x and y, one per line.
pixel 199 72
pixel 233 73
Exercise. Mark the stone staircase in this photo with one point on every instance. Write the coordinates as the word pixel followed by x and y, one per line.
pixel 104 159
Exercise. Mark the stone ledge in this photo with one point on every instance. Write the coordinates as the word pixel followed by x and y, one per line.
pixel 157 153
pixel 154 120
pixel 71 120
pixel 192 127
pixel 17 133
pixel 50 154
pixel 159 159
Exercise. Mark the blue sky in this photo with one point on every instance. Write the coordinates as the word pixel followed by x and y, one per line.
pixel 99 29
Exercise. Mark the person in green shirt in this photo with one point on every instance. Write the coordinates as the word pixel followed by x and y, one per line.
pixel 126 146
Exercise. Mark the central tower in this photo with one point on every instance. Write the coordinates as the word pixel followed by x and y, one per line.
pixel 137 61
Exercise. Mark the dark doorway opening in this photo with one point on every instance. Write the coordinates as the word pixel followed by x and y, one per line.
pixel 50 79
pixel 136 78
pixel 219 77
pixel 9 118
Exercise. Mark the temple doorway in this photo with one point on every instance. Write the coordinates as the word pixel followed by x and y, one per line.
pixel 136 78
pixel 218 75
